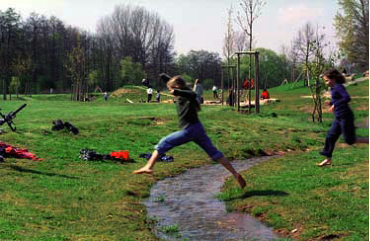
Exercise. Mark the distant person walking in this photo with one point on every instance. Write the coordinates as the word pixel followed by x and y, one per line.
pixel 106 96
pixel 191 130
pixel 158 98
pixel 149 91
pixel 343 116
pixel 214 90
pixel 198 89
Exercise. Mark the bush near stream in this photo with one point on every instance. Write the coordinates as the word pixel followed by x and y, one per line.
pixel 63 197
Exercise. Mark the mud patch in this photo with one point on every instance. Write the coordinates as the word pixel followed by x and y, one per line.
pixel 121 92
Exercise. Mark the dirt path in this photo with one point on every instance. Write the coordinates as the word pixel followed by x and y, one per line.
pixel 189 202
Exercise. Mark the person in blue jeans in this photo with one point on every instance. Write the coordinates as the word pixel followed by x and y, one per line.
pixel 191 130
pixel 343 116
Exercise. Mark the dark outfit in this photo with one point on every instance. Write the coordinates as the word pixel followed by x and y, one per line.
pixel 192 129
pixel 343 121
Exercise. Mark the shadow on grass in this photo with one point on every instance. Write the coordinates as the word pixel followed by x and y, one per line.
pixel 26 170
pixel 264 193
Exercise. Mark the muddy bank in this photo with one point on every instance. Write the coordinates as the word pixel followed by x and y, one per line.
pixel 188 204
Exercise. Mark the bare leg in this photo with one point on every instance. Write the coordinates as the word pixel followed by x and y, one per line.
pixel 225 163
pixel 147 169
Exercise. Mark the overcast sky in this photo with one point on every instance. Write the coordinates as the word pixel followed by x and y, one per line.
pixel 198 24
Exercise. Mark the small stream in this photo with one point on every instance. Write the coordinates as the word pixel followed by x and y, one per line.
pixel 189 202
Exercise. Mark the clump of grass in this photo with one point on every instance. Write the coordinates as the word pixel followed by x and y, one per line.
pixel 172 230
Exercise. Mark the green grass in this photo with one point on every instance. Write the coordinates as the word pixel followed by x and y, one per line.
pixel 290 192
pixel 65 198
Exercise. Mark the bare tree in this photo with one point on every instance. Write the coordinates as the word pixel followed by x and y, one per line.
pixel 75 66
pixel 229 43
pixel 315 66
pixel 251 10
pixel 140 34
pixel 228 50
pixel 293 56
pixel 306 36
pixel 287 64
pixel 241 41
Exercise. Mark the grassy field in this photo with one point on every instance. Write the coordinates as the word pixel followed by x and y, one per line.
pixel 65 198
pixel 302 201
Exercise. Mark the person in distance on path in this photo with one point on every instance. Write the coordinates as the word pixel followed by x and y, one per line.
pixel 191 130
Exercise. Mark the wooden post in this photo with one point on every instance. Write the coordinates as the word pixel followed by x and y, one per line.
pixel 222 86
pixel 237 83
pixel 257 79
pixel 229 72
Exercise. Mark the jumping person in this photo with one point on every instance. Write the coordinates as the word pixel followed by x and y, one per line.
pixel 343 116
pixel 192 130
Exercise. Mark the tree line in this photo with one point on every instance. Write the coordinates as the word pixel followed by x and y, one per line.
pixel 40 53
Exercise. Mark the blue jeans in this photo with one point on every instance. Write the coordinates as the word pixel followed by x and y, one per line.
pixel 341 125
pixel 194 132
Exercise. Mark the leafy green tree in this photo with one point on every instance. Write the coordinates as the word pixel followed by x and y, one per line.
pixel 200 65
pixel 352 26
pixel 10 22
pixel 131 73
pixel 208 84
pixel 75 66
pixel 23 69
pixel 14 86
pixel 317 65
pixel 93 79
pixel 272 68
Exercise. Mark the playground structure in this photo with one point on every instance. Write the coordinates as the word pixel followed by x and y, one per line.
pixel 228 68
pixel 256 81
pixel 236 83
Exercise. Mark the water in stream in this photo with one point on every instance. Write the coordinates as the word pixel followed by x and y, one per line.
pixel 189 202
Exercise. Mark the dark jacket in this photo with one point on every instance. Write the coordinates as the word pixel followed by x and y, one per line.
pixel 340 99
pixel 187 107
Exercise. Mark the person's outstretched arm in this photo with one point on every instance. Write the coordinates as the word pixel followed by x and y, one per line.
pixel 184 93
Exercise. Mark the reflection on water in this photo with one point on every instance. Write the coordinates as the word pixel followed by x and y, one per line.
pixel 188 202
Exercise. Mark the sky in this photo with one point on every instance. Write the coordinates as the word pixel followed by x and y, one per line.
pixel 198 24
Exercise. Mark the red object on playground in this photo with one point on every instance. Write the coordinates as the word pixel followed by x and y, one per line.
pixel 247 84
pixel 265 95
pixel 122 154
pixel 12 151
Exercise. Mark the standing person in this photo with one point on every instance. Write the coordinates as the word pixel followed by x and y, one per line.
pixel 158 98
pixel 214 89
pixel 198 89
pixel 106 96
pixel 191 130
pixel 149 91
pixel 343 116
